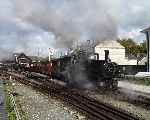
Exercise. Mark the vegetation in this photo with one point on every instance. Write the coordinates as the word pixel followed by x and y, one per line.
pixel 132 48
pixel 8 103
pixel 139 81
pixel 9 106
pixel 10 109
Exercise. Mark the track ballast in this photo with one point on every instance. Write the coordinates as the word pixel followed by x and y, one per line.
pixel 94 109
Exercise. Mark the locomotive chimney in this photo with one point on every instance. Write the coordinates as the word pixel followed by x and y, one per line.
pixel 97 56
pixel 106 55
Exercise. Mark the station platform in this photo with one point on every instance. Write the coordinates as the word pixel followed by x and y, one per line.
pixel 3 113
pixel 143 74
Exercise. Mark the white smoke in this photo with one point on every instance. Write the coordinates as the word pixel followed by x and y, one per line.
pixel 69 20
pixel 18 36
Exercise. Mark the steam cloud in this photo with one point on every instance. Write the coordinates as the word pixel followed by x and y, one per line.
pixel 69 20
pixel 17 36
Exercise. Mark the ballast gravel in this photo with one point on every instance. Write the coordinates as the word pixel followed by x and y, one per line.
pixel 111 98
pixel 38 106
pixel 131 86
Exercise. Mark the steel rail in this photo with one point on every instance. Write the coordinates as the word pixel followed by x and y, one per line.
pixel 100 104
pixel 96 109
pixel 112 111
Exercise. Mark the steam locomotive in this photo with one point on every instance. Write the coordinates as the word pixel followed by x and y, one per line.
pixel 78 70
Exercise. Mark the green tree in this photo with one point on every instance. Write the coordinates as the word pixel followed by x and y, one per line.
pixel 144 45
pixel 127 43
pixel 132 48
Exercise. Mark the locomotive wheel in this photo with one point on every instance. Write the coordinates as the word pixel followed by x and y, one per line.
pixel 112 84
pixel 111 68
pixel 109 84
pixel 115 84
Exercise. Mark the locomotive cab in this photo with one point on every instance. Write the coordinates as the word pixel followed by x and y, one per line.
pixel 102 73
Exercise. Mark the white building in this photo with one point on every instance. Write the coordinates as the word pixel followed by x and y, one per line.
pixel 116 52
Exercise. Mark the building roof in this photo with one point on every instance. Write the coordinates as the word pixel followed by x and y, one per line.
pixel 146 30
pixel 110 44
pixel 22 55
pixel 35 58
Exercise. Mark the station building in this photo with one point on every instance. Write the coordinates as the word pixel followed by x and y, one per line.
pixel 116 52
pixel 117 55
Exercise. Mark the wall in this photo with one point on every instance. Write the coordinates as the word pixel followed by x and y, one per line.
pixel 116 55
pixel 132 69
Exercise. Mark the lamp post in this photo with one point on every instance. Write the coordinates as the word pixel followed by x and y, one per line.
pixel 147 33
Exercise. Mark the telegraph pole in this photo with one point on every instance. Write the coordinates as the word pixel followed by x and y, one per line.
pixel 147 33
pixel 50 53
pixel 38 52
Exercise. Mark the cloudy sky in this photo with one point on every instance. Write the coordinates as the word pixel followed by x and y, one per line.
pixel 32 25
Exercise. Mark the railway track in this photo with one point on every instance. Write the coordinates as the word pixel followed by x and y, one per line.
pixel 134 97
pixel 95 110
pixel 99 110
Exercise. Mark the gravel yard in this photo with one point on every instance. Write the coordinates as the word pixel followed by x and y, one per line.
pixel 38 106
pixel 120 101
pixel 135 87
pixel 109 98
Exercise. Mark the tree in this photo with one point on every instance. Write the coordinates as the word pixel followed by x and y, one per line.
pixel 132 48
pixel 127 43
pixel 144 45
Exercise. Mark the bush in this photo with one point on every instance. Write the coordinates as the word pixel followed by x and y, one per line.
pixel 147 82
pixel 10 108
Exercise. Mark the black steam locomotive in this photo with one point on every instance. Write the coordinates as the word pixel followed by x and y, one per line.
pixel 77 70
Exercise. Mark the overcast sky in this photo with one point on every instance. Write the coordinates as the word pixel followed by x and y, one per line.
pixel 20 29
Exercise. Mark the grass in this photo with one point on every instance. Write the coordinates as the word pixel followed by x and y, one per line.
pixel 10 109
pixel 8 103
pixel 9 106
pixel 140 81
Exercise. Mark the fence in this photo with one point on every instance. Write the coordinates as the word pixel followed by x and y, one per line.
pixel 132 69
pixel 15 107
